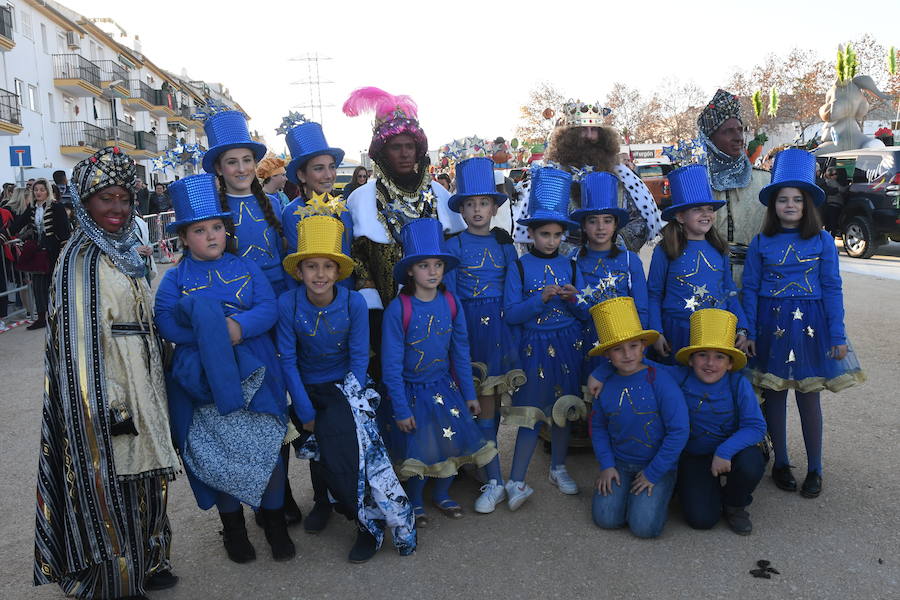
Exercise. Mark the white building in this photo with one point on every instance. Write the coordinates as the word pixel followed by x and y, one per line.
pixel 70 86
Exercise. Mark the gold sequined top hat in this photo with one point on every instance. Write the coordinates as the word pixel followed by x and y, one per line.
pixel 713 329
pixel 617 321
pixel 319 236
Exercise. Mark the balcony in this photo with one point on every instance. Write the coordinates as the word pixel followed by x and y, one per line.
pixel 78 138
pixel 10 115
pixel 182 116
pixel 163 101
pixel 6 29
pixel 141 97
pixel 76 75
pixel 117 133
pixel 166 142
pixel 114 77
pixel 146 144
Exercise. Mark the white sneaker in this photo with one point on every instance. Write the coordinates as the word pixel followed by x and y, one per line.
pixel 517 493
pixel 560 477
pixel 492 494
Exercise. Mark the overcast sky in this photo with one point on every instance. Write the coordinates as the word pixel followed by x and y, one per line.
pixel 470 65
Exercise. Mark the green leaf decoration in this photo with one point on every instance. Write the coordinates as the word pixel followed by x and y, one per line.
pixel 756 99
pixel 892 61
pixel 774 102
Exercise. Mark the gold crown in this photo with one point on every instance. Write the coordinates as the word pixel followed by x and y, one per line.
pixel 319 236
pixel 583 114
pixel 713 329
pixel 617 321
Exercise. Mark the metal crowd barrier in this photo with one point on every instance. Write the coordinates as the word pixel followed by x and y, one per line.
pixel 15 287
pixel 164 244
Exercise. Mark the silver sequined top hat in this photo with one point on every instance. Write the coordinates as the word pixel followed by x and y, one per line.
pixel 549 200
pixel 227 130
pixel 722 107
pixel 690 188
pixel 195 198
pixel 106 167
pixel 600 195
pixel 794 168
pixel 306 141
pixel 421 239
pixel 475 177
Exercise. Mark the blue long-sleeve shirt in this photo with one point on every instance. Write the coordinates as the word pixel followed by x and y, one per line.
pixel 699 278
pixel 640 419
pixel 321 344
pixel 289 220
pixel 522 304
pixel 624 273
pixel 787 266
pixel 237 282
pixel 256 239
pixel 425 353
pixel 483 263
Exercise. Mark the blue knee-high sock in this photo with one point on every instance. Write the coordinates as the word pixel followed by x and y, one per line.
pixel 559 444
pixel 415 488
pixel 273 497
pixel 776 421
pixel 227 503
pixel 492 469
pixel 811 421
pixel 526 441
pixel 441 489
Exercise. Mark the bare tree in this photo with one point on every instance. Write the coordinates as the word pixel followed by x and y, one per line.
pixel 533 127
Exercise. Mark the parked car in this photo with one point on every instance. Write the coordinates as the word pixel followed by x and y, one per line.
pixel 654 175
pixel 865 213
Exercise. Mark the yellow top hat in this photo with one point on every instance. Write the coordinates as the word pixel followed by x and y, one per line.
pixel 319 236
pixel 617 321
pixel 713 329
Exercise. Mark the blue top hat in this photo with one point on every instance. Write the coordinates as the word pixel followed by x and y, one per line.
pixel 549 200
pixel 195 198
pixel 226 130
pixel 600 196
pixel 475 177
pixel 690 188
pixel 421 239
pixel 306 141
pixel 794 168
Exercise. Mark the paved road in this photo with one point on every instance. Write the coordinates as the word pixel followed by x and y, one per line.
pixel 885 264
pixel 842 545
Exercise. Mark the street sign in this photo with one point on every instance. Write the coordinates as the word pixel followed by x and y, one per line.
pixel 20 156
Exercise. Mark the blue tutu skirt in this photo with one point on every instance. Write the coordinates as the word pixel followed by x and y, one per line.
pixel 793 347
pixel 491 340
pixel 678 333
pixel 446 435
pixel 553 362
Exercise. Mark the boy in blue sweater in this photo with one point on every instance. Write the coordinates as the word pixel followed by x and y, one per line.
pixel 639 425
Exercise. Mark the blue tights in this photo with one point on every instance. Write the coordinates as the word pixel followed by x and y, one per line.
pixel 526 442
pixel 415 489
pixel 488 429
pixel 273 497
pixel 810 421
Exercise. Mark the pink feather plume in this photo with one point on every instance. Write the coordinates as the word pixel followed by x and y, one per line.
pixel 382 103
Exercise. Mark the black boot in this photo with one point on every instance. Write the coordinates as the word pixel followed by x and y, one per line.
pixel 277 535
pixel 234 536
pixel 292 514
pixel 365 547
pixel 317 518
pixel 161 580
pixel 40 323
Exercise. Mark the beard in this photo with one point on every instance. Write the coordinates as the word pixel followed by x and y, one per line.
pixel 568 148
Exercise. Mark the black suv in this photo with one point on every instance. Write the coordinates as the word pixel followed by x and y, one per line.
pixel 862 208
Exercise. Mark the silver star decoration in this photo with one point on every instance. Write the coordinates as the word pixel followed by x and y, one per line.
pixel 428 196
pixel 455 412
pixel 810 331
pixel 582 299
pixel 791 357
pixel 700 290
pixel 448 433
pixel 797 314
pixel 691 303
pixel 438 399
pixel 292 119
pixel 609 282
pixel 589 291
pixel 778 332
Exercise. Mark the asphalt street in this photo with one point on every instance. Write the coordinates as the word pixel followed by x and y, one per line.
pixel 843 544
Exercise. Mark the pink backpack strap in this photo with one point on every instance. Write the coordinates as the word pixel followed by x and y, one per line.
pixel 451 304
pixel 406 311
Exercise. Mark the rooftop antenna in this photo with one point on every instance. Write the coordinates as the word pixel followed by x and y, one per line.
pixel 314 83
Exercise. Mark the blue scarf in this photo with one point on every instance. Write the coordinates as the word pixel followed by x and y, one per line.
pixel 726 172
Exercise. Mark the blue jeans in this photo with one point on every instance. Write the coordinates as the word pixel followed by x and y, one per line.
pixel 645 514
pixel 702 496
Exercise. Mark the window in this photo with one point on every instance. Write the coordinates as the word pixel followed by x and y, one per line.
pixel 26 25
pixel 18 90
pixel 61 42
pixel 33 101
pixel 44 39
pixel 51 111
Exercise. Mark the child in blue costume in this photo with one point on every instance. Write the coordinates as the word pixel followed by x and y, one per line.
pixel 690 267
pixel 214 298
pixel 540 295
pixel 313 168
pixel 323 334
pixel 608 271
pixel 639 426
pixel 795 307
pixel 429 376
pixel 484 256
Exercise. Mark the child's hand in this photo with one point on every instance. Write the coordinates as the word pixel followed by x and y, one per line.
pixel 144 250
pixel 567 291
pixel 720 466
pixel 640 483
pixel 548 292
pixel 310 427
pixel 751 348
pixel 839 351
pixel 594 386
pixel 234 331
pixel 740 342
pixel 406 425
pixel 661 345
pixel 605 481
pixel 474 407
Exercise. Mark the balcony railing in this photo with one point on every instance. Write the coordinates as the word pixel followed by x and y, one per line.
pixel 141 90
pixel 79 133
pixel 146 140
pixel 9 108
pixel 111 70
pixel 117 130
pixel 6 23
pixel 74 66
pixel 163 98
pixel 166 142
